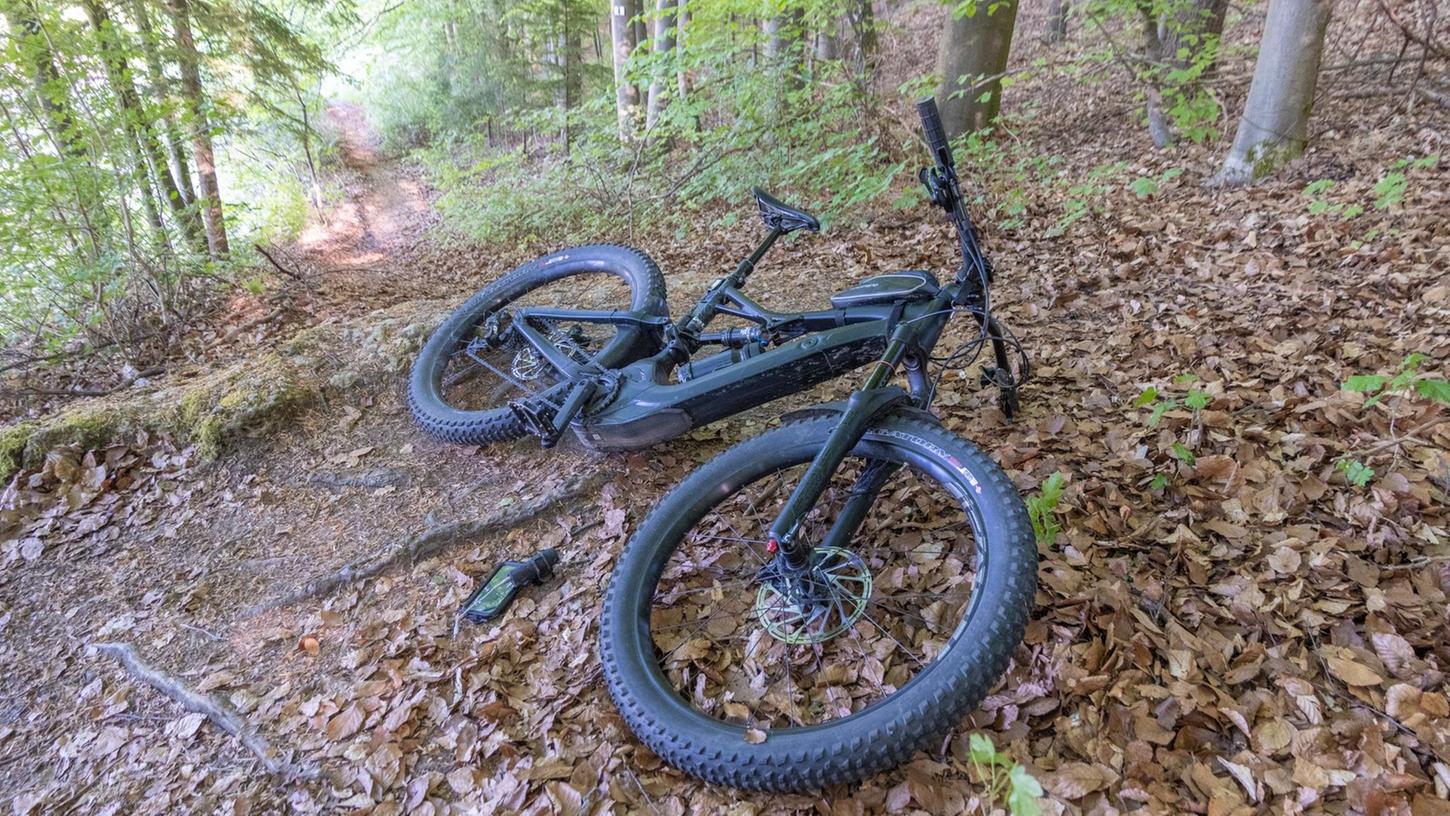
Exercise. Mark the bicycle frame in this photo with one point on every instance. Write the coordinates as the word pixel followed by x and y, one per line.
pixel 638 405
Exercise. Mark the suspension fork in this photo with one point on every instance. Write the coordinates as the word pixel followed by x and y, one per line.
pixel 873 399
pixel 868 485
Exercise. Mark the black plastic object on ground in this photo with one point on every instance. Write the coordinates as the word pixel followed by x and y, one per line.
pixel 494 595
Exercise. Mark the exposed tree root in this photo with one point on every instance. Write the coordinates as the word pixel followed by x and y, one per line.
pixel 192 700
pixel 430 541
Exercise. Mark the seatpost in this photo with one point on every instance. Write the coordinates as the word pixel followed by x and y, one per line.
pixel 737 278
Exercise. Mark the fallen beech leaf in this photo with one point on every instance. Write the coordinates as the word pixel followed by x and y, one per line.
pixel 345 723
pixel 1352 673
pixel 1395 651
pixel 1075 780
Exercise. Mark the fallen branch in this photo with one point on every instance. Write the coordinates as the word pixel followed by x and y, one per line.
pixel 280 268
pixel 429 542
pixel 218 712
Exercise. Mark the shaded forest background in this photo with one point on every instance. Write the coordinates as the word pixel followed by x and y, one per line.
pixel 154 146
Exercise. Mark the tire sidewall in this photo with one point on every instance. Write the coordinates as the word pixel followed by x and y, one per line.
pixel 958 678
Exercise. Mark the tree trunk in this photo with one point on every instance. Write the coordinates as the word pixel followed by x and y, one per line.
pixel 1057 13
pixel 201 147
pixel 663 26
pixel 626 95
pixel 175 144
pixel 1275 121
pixel 828 45
pixel 50 90
pixel 682 21
pixel 573 80
pixel 1192 27
pixel 137 124
pixel 782 45
pixel 970 63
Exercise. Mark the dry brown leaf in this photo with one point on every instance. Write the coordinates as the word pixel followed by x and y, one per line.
pixel 1352 672
pixel 345 723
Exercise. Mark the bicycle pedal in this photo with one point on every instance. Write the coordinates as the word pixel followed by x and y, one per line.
pixel 538 422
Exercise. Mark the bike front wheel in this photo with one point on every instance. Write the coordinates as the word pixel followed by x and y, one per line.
pixel 745 674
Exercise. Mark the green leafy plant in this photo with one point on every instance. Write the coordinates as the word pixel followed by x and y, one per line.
pixel 1406 383
pixel 1042 508
pixel 1355 472
pixel 1159 404
pixel 1390 189
pixel 1006 783
pixel 1320 204
pixel 1145 186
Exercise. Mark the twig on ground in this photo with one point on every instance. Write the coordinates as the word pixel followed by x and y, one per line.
pixel 275 263
pixel 428 542
pixel 218 712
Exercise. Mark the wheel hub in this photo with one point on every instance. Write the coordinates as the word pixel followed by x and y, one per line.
pixel 816 603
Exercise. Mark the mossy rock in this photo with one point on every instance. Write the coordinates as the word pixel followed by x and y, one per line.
pixel 221 406
pixel 240 400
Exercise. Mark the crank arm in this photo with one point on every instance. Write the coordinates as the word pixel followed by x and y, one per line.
pixel 861 409
pixel 549 428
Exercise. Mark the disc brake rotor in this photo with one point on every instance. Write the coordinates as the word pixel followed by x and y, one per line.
pixel 821 602
pixel 528 364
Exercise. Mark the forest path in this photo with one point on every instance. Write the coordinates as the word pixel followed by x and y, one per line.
pixel 359 251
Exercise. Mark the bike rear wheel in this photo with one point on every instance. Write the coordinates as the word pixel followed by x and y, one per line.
pixel 745 678
pixel 473 366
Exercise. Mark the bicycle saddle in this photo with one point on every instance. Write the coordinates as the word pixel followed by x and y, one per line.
pixel 779 215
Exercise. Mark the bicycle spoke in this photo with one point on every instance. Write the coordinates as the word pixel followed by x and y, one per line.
pixel 907 580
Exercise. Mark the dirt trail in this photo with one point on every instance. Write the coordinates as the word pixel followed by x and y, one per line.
pixel 367 250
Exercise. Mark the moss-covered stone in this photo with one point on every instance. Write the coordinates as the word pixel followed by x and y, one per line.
pixel 215 409
pixel 13 439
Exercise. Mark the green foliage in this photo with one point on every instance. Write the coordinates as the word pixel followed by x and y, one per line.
pixel 742 127
pixel 1390 190
pixel 1145 186
pixel 1159 404
pixel 1404 382
pixel 1355 472
pixel 1042 509
pixel 101 247
pixel 1004 781
pixel 1087 195
pixel 1319 203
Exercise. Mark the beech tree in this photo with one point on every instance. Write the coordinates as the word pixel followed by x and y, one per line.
pixel 662 43
pixel 1057 14
pixel 622 37
pixel 201 145
pixel 971 61
pixel 1274 126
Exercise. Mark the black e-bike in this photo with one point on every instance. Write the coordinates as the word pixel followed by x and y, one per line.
pixel 818 602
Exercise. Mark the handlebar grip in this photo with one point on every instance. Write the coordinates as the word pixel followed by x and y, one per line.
pixel 936 135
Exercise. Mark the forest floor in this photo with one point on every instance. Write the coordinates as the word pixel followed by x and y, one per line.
pixel 1255 634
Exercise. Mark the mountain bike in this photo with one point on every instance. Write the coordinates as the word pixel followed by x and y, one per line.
pixel 814 604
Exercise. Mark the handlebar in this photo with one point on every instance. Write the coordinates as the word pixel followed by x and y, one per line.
pixel 936 135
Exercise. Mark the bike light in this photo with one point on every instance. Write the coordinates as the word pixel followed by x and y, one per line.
pixel 493 596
